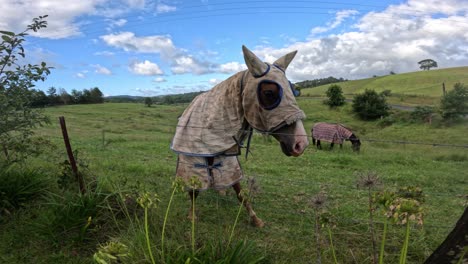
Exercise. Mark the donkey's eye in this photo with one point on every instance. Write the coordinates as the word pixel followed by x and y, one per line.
pixel 269 94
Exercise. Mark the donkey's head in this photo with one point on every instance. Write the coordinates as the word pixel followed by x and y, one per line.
pixel 269 103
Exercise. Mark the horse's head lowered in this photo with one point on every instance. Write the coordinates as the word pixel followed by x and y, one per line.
pixel 269 103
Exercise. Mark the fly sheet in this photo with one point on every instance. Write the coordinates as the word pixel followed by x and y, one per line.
pixel 334 133
pixel 216 123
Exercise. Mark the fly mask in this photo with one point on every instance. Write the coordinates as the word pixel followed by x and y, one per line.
pixel 217 122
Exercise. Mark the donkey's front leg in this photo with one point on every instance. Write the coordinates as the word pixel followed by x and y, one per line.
pixel 255 220
pixel 193 195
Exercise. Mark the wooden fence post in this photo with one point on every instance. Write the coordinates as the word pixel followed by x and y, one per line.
pixel 71 158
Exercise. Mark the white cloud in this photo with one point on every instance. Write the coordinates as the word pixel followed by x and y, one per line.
pixel 145 68
pixel 104 53
pixel 180 60
pixel 101 70
pixel 118 22
pixel 163 8
pixel 232 67
pixel 339 18
pixel 214 81
pixel 80 75
pixel 61 21
pixel 159 79
pixel 150 44
pixel 392 40
pixel 135 3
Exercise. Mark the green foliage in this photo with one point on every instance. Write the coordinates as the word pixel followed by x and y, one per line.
pixel 455 103
pixel 422 113
pixel 318 82
pixel 18 187
pixel 148 101
pixel 370 105
pixel 17 118
pixel 72 219
pixel 335 96
pixel 427 64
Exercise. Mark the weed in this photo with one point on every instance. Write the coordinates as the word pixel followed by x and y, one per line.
pixel 18 187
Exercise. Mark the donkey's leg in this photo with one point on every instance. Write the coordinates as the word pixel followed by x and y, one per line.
pixel 255 220
pixel 319 146
pixel 331 145
pixel 193 195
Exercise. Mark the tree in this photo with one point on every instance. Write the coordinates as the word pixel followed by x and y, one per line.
pixel 335 96
pixel 370 105
pixel 148 101
pixel 17 117
pixel 427 64
pixel 65 98
pixel 455 102
pixel 96 96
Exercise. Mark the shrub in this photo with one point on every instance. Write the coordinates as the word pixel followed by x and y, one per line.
pixel 17 117
pixel 422 113
pixel 455 102
pixel 335 96
pixel 19 187
pixel 370 105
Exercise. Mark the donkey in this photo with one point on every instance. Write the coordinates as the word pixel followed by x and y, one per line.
pixel 334 133
pixel 213 128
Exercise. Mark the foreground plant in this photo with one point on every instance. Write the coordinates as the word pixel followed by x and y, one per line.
pixel 370 181
pixel 402 207
pixel 177 185
pixel 147 201
pixel 322 219
pixel 111 252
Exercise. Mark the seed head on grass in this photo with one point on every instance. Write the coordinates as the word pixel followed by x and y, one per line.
pixel 368 180
pixel 148 200
pixel 319 201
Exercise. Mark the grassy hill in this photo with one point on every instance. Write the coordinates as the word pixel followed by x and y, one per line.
pixel 422 87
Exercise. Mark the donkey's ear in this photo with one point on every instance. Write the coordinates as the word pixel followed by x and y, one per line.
pixel 284 61
pixel 256 66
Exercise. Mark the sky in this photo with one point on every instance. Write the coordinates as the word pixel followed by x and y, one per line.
pixel 151 48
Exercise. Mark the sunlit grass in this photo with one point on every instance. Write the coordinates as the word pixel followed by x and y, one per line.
pixel 129 144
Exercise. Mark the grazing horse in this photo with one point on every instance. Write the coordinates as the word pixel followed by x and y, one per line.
pixel 213 128
pixel 334 133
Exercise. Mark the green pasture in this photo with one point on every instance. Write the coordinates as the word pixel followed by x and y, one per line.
pixel 125 148
pixel 413 88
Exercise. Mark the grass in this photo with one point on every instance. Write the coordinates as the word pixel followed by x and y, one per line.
pixel 134 154
pixel 410 89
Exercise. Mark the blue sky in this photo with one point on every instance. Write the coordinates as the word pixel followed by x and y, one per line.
pixel 148 48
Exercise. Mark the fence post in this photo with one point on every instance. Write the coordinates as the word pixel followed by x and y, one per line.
pixel 443 89
pixel 70 155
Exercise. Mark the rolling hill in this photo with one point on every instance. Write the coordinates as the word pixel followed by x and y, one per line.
pixel 421 83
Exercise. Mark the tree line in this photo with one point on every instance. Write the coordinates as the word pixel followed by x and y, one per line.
pixel 61 97
pixel 319 82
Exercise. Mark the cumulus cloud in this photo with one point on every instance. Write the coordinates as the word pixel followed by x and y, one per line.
pixel 80 75
pixel 392 40
pixel 180 60
pixel 163 8
pixel 232 67
pixel 339 18
pixel 145 68
pixel 150 44
pixel 101 70
pixel 159 80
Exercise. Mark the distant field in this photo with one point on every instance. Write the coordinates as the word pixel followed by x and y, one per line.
pixel 422 87
pixel 129 144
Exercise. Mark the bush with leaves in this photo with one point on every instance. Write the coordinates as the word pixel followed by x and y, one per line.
pixel 335 96
pixel 17 117
pixel 422 113
pixel 370 105
pixel 455 102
